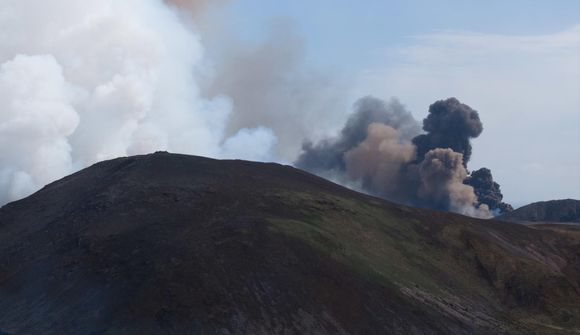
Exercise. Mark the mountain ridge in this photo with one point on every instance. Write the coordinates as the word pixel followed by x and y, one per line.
pixel 177 244
pixel 560 211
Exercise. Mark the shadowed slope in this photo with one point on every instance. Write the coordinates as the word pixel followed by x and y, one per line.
pixel 178 244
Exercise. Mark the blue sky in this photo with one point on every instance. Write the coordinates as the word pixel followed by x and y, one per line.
pixel 351 35
pixel 516 62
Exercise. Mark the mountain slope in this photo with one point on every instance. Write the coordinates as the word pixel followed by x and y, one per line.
pixel 174 244
pixel 566 211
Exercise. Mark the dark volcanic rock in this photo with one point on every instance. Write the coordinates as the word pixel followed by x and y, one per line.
pixel 174 244
pixel 567 210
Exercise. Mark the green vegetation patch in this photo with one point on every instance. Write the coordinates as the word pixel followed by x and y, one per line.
pixel 366 237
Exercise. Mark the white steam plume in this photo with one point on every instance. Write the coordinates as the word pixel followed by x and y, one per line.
pixel 83 81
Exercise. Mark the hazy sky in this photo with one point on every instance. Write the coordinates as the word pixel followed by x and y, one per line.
pixel 516 62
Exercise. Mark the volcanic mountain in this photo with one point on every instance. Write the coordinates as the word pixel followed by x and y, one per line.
pixel 175 244
pixel 555 211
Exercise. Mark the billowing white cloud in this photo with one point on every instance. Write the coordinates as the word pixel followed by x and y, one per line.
pixel 36 118
pixel 256 144
pixel 83 81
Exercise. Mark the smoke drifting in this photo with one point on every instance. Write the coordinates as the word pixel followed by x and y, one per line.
pixel 327 155
pixel 270 85
pixel 85 81
pixel 381 150
pixel 114 78
pixel 450 124
pixel 193 7
pixel 377 161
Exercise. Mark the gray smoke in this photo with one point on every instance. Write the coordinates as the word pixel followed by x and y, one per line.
pixel 380 150
pixel 450 124
pixel 268 81
pixel 328 154
pixel 194 7
pixel 488 191
pixel 270 85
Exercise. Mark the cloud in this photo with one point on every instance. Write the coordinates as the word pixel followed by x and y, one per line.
pixel 525 89
pixel 86 81
pixel 37 117
pixel 255 144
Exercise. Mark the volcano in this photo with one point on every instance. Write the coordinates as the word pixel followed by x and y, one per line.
pixel 176 244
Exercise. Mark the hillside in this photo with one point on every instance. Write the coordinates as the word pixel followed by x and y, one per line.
pixel 175 244
pixel 563 211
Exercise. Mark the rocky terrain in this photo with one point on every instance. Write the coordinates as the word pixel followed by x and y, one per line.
pixel 175 244
pixel 553 211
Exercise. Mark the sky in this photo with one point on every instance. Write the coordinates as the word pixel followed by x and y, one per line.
pixel 516 62
pixel 352 36
pixel 81 82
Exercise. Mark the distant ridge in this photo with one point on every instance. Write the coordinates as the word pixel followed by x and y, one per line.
pixel 561 211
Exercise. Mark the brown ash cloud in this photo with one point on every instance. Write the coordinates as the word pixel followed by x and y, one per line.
pixel 441 175
pixel 381 151
pixel 328 154
pixel 379 160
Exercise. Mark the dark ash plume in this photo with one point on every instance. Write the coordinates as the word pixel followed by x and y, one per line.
pixel 328 155
pixel 379 152
pixel 450 124
pixel 488 191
